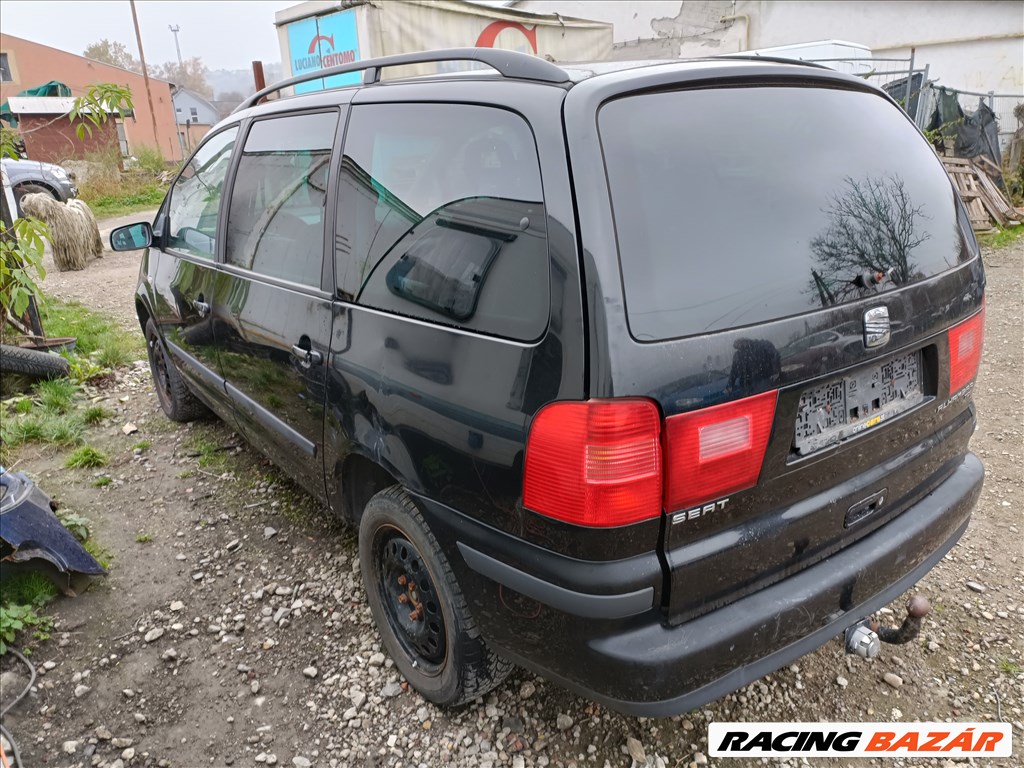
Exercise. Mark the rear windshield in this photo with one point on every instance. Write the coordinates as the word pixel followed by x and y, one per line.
pixel 741 205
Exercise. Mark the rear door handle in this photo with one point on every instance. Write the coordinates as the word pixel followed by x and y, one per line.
pixel 307 357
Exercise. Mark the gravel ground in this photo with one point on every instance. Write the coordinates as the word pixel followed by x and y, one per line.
pixel 233 630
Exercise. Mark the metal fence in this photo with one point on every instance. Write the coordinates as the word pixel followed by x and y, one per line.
pixel 897 77
pixel 909 86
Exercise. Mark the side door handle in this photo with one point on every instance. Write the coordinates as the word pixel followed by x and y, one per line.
pixel 307 357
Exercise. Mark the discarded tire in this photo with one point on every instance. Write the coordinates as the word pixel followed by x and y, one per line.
pixel 29 362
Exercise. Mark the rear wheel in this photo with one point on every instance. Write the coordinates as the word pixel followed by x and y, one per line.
pixel 176 400
pixel 418 606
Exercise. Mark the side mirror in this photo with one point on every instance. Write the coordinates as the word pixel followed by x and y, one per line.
pixel 132 237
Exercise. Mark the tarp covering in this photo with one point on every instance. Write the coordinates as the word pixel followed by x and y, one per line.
pixel 52 88
pixel 978 134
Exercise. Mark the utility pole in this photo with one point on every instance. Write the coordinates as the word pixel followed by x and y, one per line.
pixel 145 77
pixel 175 30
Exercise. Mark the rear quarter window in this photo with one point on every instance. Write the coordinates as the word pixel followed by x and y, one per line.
pixel 736 206
pixel 441 217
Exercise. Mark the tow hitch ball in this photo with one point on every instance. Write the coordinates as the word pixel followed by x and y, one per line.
pixel 865 638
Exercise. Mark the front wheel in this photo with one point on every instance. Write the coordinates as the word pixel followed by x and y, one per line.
pixel 176 400
pixel 418 606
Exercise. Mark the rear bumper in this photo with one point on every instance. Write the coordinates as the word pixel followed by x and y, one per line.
pixel 633 661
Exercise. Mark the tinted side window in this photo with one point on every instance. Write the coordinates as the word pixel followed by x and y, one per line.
pixel 276 217
pixel 441 217
pixel 195 198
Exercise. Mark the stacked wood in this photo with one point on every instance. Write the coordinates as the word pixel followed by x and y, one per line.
pixel 987 206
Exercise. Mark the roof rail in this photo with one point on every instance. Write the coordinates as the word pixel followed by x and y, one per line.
pixel 772 59
pixel 510 64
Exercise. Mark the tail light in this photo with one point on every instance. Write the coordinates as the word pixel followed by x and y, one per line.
pixel 965 344
pixel 595 463
pixel 717 450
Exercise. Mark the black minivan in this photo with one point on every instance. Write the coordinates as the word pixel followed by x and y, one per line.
pixel 649 377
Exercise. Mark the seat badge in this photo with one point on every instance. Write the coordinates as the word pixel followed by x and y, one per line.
pixel 876 327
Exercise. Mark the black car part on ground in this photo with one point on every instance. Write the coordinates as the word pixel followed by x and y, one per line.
pixel 30 531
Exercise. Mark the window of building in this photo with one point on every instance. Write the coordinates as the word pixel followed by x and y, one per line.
pixel 5 69
pixel 441 217
pixel 276 220
pixel 195 199
pixel 193 111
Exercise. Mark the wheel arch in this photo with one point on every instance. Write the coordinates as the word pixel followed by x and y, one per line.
pixel 142 312
pixel 38 183
pixel 359 479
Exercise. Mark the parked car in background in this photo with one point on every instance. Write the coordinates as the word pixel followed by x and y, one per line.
pixel 28 176
pixel 569 410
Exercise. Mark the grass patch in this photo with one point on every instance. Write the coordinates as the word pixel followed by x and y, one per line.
pixel 142 445
pixel 27 588
pixel 102 555
pixel 1008 667
pixel 64 430
pixel 206 451
pixel 102 481
pixel 140 197
pixel 94 414
pixel 99 338
pixel 23 406
pixel 1001 239
pixel 144 538
pixel 86 457
pixel 56 395
pixel 25 430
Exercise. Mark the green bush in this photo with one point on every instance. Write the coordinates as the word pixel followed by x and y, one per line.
pixel 150 160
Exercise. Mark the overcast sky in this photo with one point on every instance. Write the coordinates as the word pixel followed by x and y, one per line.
pixel 226 35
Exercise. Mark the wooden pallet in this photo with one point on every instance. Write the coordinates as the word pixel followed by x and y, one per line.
pixel 986 204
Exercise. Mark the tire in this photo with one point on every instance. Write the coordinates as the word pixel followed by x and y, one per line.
pixel 176 399
pixel 28 189
pixel 32 362
pixel 441 652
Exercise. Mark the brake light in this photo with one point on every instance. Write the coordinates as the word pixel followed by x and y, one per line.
pixel 716 451
pixel 595 463
pixel 965 344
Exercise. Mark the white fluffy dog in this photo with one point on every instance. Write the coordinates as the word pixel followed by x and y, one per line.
pixel 74 233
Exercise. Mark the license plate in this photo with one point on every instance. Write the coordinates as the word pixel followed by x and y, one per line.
pixel 833 412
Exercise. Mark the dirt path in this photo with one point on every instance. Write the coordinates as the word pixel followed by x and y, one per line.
pixel 107 284
pixel 232 629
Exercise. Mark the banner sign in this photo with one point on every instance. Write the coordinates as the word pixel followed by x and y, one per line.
pixel 322 42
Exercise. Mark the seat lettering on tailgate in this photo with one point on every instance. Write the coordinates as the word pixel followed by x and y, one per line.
pixel 696 512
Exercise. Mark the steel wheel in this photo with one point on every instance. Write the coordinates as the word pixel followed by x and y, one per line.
pixel 410 601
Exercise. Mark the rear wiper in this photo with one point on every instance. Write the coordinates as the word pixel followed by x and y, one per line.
pixel 871 279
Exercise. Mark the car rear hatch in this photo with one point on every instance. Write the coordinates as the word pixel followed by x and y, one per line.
pixel 800 293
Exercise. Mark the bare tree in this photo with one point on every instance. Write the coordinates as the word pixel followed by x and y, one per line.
pixel 874 228
pixel 112 52
pixel 190 74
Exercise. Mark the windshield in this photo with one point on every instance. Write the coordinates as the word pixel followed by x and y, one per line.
pixel 734 206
